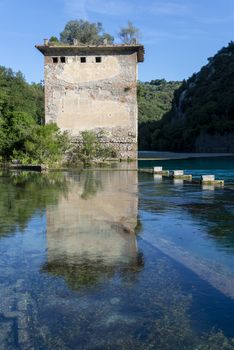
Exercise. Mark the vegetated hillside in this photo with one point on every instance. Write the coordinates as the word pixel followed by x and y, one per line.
pixel 16 95
pixel 202 117
pixel 154 100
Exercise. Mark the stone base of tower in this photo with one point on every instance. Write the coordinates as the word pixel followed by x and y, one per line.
pixel 123 141
pixel 125 150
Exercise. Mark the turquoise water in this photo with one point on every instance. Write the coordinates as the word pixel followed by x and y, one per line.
pixel 116 260
pixel 222 167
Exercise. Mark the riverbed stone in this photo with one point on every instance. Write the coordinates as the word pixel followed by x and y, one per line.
pixel 6 335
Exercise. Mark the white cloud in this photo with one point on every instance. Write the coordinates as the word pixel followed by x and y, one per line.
pixel 81 8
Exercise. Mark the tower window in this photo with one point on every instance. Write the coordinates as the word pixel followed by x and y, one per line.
pixel 83 60
pixel 63 59
pixel 55 59
pixel 98 59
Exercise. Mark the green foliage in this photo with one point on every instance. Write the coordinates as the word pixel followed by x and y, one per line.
pixel 45 144
pixel 21 113
pixel 54 40
pixel 89 144
pixel 16 95
pixel 14 132
pixel 23 139
pixel 129 34
pixel 154 101
pixel 85 33
pixel 203 104
pixel 90 148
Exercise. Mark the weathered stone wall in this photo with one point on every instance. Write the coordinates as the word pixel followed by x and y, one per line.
pixel 94 96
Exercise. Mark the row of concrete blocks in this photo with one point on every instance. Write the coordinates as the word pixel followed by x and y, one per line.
pixel 179 174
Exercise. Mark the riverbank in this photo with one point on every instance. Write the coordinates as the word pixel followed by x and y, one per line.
pixel 115 164
pixel 155 155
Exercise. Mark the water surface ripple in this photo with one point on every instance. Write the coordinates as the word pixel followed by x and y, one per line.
pixel 113 260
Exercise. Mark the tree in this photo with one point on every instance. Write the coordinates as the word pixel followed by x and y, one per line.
pixel 90 148
pixel 202 105
pixel 16 95
pixel 23 139
pixel 14 130
pixel 129 34
pixel 85 33
pixel 54 40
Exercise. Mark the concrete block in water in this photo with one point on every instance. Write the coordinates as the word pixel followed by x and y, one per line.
pixel 208 178
pixel 158 169
pixel 177 172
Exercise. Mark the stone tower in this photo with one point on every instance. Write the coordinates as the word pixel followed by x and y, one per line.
pixel 94 88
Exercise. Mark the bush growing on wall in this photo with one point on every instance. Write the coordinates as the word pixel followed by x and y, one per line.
pixel 90 148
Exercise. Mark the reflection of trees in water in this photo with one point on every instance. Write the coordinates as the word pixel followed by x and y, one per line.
pixel 23 194
pixel 218 216
pixel 155 197
pixel 91 186
pixel 87 273
pixel 212 208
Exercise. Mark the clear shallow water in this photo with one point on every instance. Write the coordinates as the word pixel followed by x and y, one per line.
pixel 73 274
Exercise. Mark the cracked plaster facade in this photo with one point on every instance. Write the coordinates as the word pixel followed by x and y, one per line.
pixel 97 96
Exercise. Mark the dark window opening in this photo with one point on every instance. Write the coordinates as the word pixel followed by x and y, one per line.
pixel 55 59
pixel 98 59
pixel 63 59
pixel 83 59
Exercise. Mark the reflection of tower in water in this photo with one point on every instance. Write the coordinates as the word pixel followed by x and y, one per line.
pixel 91 232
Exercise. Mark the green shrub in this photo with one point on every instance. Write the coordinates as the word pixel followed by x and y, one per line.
pixel 54 40
pixel 16 95
pixel 23 139
pixel 90 148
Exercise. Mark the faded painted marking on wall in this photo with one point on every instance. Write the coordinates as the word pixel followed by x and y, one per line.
pixel 76 72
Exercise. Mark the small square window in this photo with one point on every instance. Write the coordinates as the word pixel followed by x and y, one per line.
pixel 83 60
pixel 55 59
pixel 98 59
pixel 63 59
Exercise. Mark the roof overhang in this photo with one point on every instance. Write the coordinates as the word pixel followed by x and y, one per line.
pixel 71 50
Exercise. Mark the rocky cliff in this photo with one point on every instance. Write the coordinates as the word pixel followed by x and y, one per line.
pixel 202 116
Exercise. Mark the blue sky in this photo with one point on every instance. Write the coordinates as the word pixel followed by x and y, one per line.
pixel 178 35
